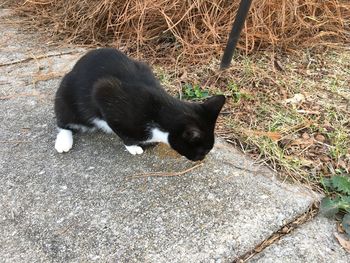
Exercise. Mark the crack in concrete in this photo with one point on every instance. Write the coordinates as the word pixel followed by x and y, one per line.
pixel 287 229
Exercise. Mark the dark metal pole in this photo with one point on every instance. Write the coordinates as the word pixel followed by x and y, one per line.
pixel 237 26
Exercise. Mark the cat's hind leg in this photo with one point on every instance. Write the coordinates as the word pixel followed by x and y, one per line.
pixel 64 140
pixel 102 125
pixel 65 114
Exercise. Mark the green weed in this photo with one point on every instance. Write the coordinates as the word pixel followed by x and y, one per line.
pixel 338 201
pixel 237 94
pixel 194 92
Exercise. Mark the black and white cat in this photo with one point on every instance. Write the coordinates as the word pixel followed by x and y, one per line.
pixel 107 90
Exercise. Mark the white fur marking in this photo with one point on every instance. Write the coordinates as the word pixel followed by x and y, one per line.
pixel 64 141
pixel 134 149
pixel 101 124
pixel 158 136
pixel 81 128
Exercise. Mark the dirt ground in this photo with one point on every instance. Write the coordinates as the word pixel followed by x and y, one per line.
pixel 290 111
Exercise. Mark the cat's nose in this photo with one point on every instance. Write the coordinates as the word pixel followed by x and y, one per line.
pixel 198 157
pixel 203 153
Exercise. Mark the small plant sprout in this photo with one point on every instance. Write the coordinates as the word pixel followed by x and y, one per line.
pixel 338 201
pixel 194 92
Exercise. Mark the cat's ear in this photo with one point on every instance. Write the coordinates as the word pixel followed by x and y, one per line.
pixel 191 134
pixel 214 104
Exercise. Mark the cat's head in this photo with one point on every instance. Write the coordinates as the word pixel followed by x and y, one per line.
pixel 193 135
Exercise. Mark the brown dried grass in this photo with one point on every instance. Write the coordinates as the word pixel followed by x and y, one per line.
pixel 191 28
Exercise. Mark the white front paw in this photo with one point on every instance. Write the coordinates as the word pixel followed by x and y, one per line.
pixel 134 149
pixel 64 141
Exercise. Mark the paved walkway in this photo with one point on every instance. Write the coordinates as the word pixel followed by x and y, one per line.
pixel 88 205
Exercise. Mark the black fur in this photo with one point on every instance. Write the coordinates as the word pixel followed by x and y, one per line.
pixel 106 84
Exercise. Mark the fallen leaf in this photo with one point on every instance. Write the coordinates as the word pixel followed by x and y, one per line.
pixel 297 98
pixel 325 171
pixel 305 136
pixel 325 158
pixel 342 164
pixel 343 242
pixel 283 143
pixel 320 138
pixel 316 107
pixel 183 76
pixel 278 65
pixel 340 228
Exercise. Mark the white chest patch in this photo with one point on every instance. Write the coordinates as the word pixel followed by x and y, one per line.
pixel 101 124
pixel 158 136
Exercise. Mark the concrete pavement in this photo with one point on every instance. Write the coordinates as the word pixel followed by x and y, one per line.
pixel 87 205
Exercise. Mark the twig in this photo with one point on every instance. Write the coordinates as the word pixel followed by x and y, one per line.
pixel 34 94
pixel 298 128
pixel 309 112
pixel 37 58
pixel 240 167
pixel 48 76
pixel 322 143
pixel 65 229
pixel 14 141
pixel 166 174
